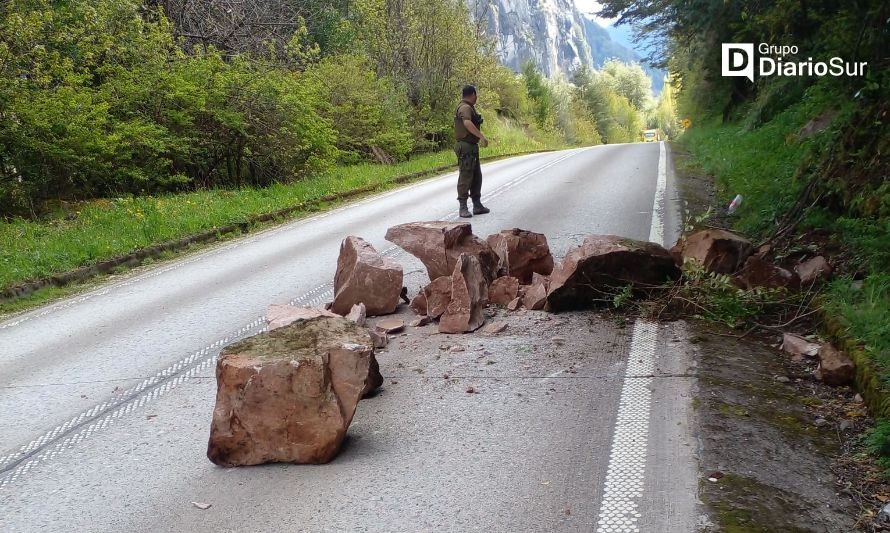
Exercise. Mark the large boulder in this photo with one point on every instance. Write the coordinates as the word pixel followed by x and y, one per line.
pixel 759 272
pixel 438 245
pixel 365 276
pixel 603 263
pixel 835 367
pixel 278 316
pixel 289 395
pixel 522 253
pixel 503 290
pixel 469 294
pixel 718 250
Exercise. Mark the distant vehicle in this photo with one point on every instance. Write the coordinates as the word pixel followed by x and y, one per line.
pixel 650 136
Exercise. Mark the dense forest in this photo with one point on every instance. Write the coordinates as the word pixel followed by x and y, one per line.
pixel 115 97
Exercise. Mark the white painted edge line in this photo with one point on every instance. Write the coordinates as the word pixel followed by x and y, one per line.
pixel 656 233
pixel 626 473
pixel 623 488
pixel 48 445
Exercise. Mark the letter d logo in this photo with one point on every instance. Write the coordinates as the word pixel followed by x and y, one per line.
pixel 738 60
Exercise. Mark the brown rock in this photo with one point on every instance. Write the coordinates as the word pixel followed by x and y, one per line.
pixel 469 294
pixel 278 316
pixel 289 395
pixel 514 304
pixel 503 290
pixel 813 270
pixel 835 368
pixel 390 325
pixel 379 340
pixel 522 253
pixel 438 296
pixel 606 262
pixel 795 345
pixel 718 250
pixel 375 378
pixel 365 276
pixel 493 328
pixel 358 314
pixel 418 304
pixel 421 322
pixel 759 272
pixel 438 245
pixel 535 297
pixel 763 250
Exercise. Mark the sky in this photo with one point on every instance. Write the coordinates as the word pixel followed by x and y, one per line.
pixel 592 6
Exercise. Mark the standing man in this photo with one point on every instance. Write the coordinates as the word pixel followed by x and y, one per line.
pixel 466 131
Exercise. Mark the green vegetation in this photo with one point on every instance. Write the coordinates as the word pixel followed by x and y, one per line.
pixel 105 228
pixel 124 123
pixel 808 154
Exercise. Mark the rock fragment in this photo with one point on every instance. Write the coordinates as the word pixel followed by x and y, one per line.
pixel 717 250
pixel 835 368
pixel 503 290
pixel 365 276
pixel 469 294
pixel 278 316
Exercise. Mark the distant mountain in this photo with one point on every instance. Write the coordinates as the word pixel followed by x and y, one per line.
pixel 555 35
pixel 548 32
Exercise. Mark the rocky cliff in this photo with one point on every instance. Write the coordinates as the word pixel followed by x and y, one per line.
pixel 549 32
pixel 552 33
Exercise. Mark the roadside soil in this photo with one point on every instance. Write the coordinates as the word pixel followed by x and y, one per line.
pixel 780 451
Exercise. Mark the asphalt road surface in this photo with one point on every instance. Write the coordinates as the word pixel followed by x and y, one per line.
pixel 106 397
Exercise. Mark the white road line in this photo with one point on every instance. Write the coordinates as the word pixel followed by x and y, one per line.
pixel 656 233
pixel 46 446
pixel 619 510
pixel 626 473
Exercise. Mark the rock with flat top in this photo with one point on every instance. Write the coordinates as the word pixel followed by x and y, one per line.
pixel 469 294
pixel 278 316
pixel 514 304
pixel 289 395
pixel 390 325
pixel 604 263
pixel 438 245
pixel 798 347
pixel 718 250
pixel 365 276
pixel 522 253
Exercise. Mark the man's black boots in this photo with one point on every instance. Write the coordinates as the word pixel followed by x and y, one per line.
pixel 464 212
pixel 478 208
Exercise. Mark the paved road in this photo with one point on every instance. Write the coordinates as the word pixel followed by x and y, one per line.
pixel 105 398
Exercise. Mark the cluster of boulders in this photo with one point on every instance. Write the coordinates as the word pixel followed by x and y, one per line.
pixel 725 252
pixel 515 268
pixel 289 394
